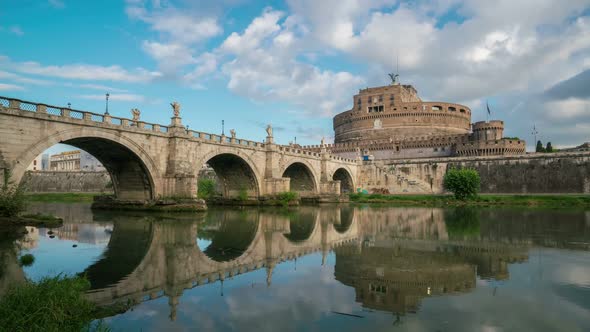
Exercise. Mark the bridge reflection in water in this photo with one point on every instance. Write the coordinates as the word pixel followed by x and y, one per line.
pixel 393 258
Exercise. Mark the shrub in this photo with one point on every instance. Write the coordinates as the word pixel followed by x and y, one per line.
pixel 243 194
pixel 27 260
pixel 12 197
pixel 463 183
pixel 52 304
pixel 205 188
pixel 286 197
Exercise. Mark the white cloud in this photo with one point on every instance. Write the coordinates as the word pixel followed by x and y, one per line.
pixel 7 87
pixel 15 29
pixel 101 87
pixel 264 68
pixel 21 79
pixel 180 31
pixel 57 3
pixel 116 96
pixel 82 71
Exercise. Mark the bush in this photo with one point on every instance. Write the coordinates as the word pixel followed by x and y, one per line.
pixel 205 188
pixel 12 197
pixel 243 194
pixel 286 197
pixel 463 183
pixel 27 260
pixel 52 304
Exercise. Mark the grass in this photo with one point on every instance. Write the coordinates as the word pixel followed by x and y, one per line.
pixel 484 200
pixel 51 304
pixel 61 197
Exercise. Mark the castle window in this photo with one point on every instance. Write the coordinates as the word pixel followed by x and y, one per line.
pixel 391 97
pixel 370 100
pixel 436 108
pixel 380 98
pixel 435 149
pixel 452 109
pixel 375 109
pixel 462 110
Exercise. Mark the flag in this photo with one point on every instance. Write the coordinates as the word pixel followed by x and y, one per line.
pixel 488 107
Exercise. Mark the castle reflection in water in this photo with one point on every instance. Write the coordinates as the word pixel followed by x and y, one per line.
pixel 393 258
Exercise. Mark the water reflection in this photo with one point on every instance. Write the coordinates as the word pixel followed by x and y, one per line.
pixel 392 259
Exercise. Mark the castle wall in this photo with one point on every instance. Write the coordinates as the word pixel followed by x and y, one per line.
pixel 531 173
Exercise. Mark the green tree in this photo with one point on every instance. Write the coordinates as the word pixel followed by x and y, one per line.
pixel 205 188
pixel 540 147
pixel 549 147
pixel 463 183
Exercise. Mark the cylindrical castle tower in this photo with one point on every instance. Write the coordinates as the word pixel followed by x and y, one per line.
pixel 488 131
pixel 396 112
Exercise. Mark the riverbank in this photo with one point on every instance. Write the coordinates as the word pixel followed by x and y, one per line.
pixel 553 201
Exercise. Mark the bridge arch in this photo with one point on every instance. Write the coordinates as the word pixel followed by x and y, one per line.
pixel 230 234
pixel 134 174
pixel 346 218
pixel 302 225
pixel 346 182
pixel 236 171
pixel 303 180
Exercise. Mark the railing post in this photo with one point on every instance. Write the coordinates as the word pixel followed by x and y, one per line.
pixel 41 108
pixel 124 123
pixel 65 112
pixel 107 119
pixel 202 135
pixel 156 128
pixel 13 103
pixel 140 124
pixel 87 116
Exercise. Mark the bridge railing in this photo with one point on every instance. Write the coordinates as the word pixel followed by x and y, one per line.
pixel 66 112
pixel 224 139
pixel 290 149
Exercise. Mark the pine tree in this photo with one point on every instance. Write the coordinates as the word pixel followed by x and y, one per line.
pixel 540 147
pixel 549 148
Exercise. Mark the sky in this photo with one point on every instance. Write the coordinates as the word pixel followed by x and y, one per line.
pixel 297 63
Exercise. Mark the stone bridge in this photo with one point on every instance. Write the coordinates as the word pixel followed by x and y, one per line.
pixel 147 260
pixel 149 161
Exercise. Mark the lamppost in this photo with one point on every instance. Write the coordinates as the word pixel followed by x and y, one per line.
pixel 69 105
pixel 534 133
pixel 107 104
pixel 222 127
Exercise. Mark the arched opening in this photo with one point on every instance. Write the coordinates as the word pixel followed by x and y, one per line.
pixel 346 185
pixel 231 175
pixel 346 217
pixel 301 224
pixel 227 234
pixel 75 165
pixel 128 244
pixel 302 179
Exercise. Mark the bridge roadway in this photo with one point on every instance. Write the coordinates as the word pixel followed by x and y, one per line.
pixel 149 161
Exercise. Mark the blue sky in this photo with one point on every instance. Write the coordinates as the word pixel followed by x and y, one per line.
pixel 295 64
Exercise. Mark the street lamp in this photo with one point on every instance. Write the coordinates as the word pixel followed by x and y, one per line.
pixel 222 127
pixel 107 104
pixel 69 105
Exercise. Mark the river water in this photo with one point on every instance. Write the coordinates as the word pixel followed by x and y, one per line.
pixel 318 268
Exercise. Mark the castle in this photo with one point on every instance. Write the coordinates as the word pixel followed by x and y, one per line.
pixel 392 122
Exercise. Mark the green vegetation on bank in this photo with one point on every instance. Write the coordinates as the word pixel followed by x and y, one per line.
pixel 51 304
pixel 482 199
pixel 12 199
pixel 463 183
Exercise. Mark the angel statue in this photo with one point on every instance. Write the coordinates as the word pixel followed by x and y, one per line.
pixel 232 132
pixel 135 112
pixel 269 130
pixel 176 109
pixel 323 141
pixel 394 78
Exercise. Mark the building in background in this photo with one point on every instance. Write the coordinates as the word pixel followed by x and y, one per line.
pixel 392 122
pixel 76 160
pixel 36 164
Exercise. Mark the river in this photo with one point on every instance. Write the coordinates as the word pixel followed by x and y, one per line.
pixel 313 268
